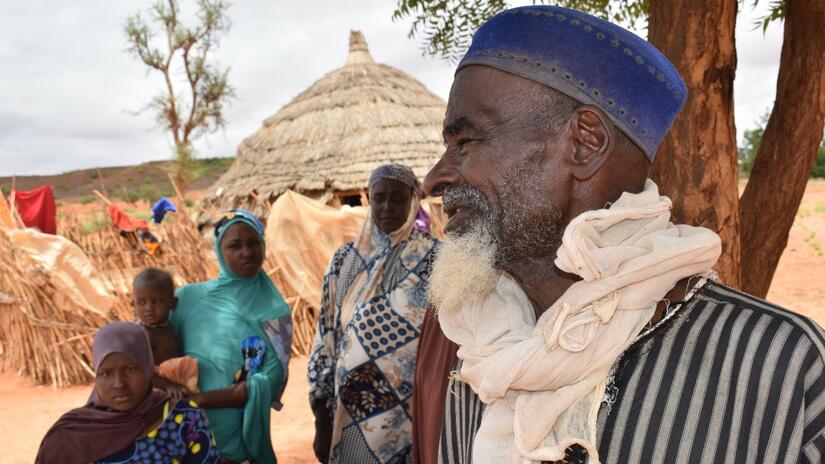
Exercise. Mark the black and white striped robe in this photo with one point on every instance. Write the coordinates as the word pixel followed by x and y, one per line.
pixel 728 378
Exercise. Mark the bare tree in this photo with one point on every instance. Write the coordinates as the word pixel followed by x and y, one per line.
pixel 698 169
pixel 197 108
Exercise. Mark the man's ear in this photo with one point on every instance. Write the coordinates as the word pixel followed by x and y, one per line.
pixel 593 137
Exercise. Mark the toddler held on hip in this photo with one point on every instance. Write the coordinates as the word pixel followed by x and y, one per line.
pixel 154 296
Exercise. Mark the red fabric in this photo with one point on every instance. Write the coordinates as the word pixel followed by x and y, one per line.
pixel 37 209
pixel 125 222
pixel 436 358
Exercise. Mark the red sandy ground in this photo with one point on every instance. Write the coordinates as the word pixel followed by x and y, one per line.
pixel 26 411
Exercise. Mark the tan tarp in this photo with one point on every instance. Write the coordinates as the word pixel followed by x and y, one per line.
pixel 5 213
pixel 302 234
pixel 68 268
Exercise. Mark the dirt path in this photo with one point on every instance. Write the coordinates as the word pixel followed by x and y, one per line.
pixel 27 412
pixel 799 282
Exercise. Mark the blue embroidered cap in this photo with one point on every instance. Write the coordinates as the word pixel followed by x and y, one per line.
pixel 588 59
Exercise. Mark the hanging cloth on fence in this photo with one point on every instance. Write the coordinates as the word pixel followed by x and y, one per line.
pixel 37 209
pixel 148 242
pixel 68 268
pixel 160 209
pixel 124 222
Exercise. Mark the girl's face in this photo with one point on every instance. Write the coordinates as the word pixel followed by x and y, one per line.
pixel 242 250
pixel 121 383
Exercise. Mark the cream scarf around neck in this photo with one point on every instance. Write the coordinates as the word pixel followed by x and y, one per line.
pixel 543 381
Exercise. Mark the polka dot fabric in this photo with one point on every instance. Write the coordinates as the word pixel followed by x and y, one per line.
pixel 184 437
pixel 381 330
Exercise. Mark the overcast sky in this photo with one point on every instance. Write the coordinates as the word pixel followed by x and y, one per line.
pixel 68 89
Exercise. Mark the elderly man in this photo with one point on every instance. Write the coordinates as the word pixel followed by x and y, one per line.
pixel 589 327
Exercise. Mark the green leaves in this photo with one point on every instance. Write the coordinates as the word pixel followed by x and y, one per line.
pixel 446 27
pixel 776 12
pixel 165 44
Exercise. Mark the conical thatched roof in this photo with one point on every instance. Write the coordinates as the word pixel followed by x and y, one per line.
pixel 331 136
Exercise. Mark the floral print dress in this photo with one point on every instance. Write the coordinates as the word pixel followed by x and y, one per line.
pixel 183 437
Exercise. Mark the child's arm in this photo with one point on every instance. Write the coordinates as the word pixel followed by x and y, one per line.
pixel 174 390
pixel 233 396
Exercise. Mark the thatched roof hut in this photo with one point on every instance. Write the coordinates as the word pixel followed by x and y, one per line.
pixel 327 140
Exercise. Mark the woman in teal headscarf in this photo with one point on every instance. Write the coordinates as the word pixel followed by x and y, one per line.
pixel 239 329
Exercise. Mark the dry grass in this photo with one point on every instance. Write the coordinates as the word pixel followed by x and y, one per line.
pixel 47 338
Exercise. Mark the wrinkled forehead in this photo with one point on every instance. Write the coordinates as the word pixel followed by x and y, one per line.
pixel 482 93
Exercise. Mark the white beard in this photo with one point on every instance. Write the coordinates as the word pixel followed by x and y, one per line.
pixel 464 267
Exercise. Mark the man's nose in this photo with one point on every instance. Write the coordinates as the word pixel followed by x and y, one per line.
pixel 441 176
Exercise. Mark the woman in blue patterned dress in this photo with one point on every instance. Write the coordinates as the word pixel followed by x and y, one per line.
pixel 125 421
pixel 373 303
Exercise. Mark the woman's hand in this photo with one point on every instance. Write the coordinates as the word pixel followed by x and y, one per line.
pixel 233 396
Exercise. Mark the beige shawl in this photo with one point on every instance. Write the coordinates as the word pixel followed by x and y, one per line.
pixel 543 381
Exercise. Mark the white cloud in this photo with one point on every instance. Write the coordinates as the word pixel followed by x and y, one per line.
pixel 67 85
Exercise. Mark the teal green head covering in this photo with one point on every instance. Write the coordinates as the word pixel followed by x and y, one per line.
pixel 213 319
pixel 257 294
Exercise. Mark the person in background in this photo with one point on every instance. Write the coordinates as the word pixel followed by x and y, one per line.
pixel 373 302
pixel 125 420
pixel 239 328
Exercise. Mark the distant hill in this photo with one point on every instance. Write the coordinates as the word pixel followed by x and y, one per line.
pixel 147 181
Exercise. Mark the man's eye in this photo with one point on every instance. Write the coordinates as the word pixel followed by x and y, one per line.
pixel 464 141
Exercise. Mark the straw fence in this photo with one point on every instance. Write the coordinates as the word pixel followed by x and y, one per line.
pixel 47 337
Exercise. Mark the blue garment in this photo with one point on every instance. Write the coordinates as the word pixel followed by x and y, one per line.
pixel 183 436
pixel 254 350
pixel 159 210
pixel 588 59
pixel 212 319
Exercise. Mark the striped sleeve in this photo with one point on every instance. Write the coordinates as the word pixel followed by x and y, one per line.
pixel 813 436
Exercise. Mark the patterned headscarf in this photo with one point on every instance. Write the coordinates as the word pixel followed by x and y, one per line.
pixel 238 215
pixel 397 172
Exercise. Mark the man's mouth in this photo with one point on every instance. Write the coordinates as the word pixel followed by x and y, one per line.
pixel 458 215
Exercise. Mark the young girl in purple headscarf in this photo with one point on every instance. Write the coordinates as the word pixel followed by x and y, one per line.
pixel 125 420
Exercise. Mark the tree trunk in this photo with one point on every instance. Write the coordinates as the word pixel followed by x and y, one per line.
pixel 789 146
pixel 696 165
